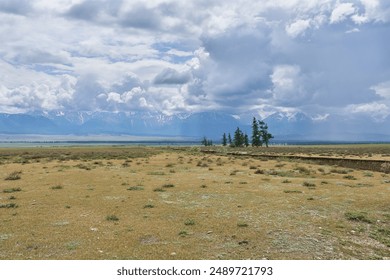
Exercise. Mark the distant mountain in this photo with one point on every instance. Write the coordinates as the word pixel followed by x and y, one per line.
pixel 296 126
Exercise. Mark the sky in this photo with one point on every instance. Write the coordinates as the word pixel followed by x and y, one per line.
pixel 242 57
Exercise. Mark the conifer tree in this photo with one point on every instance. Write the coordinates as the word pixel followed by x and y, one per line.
pixel 256 137
pixel 224 140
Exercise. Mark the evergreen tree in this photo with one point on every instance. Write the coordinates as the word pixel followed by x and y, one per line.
pixel 224 140
pixel 265 135
pixel 239 138
pixel 256 137
pixel 246 140
pixel 230 140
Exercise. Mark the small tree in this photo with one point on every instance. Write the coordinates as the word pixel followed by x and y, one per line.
pixel 239 138
pixel 207 142
pixel 230 140
pixel 246 140
pixel 265 135
pixel 224 140
pixel 256 137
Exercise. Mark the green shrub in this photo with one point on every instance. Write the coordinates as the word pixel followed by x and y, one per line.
pixel 112 218
pixel 14 176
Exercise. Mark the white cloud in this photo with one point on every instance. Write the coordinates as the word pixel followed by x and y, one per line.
pixel 298 27
pixel 377 111
pixel 190 55
pixel 382 89
pixel 342 11
pixel 288 85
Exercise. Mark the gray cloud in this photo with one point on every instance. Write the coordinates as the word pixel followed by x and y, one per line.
pixel 19 7
pixel 171 76
pixel 322 57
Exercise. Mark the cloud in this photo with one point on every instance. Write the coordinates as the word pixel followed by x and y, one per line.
pixel 18 7
pixel 188 56
pixel 341 12
pixel 377 111
pixel 382 89
pixel 288 85
pixel 298 27
pixel 171 76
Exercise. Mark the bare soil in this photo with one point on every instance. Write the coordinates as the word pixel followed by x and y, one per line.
pixel 181 203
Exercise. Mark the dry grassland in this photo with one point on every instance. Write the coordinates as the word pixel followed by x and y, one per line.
pixel 165 203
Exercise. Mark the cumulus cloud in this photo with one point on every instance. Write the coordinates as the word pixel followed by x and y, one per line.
pixel 342 11
pixel 186 56
pixel 171 76
pixel 298 27
pixel 375 110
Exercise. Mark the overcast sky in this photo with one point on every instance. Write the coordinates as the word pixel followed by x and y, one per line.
pixel 321 57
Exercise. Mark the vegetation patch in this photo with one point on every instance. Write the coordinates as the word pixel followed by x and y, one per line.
pixel 57 187
pixel 9 205
pixel 112 218
pixel 12 190
pixel 358 217
pixel 14 176
pixel 189 222
pixel 135 188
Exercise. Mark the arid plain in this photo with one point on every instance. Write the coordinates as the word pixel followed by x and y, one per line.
pixel 137 202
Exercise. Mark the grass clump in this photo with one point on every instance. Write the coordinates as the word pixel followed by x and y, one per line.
pixel 358 217
pixel 14 176
pixel 112 218
pixel 242 224
pixel 57 187
pixel 135 188
pixel 308 184
pixel 183 233
pixel 9 205
pixel 159 190
pixel 148 206
pixel 168 186
pixel 349 177
pixel 292 191
pixel 12 190
pixel 189 222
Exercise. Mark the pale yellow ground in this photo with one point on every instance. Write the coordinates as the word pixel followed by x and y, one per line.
pixel 217 208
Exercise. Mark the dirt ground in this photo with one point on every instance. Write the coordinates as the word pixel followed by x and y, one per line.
pixel 170 203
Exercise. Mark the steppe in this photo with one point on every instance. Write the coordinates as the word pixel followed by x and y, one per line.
pixel 139 202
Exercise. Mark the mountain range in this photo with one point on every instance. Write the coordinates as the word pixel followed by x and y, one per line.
pixel 297 126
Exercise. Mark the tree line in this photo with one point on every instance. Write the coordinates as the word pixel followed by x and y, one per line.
pixel 260 136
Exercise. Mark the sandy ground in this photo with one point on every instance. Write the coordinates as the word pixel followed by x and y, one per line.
pixel 182 204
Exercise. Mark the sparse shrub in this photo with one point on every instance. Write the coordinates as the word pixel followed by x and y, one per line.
pixel 252 167
pixel 183 233
pixel 292 191
pixel 368 174
pixel 203 186
pixel 339 171
pixel 57 187
pixel 159 173
pixel 308 184
pixel 168 186
pixel 158 190
pixel 259 171
pixel 149 206
pixel 12 197
pixel 286 181
pixel 14 176
pixel 189 222
pixel 12 190
pixel 242 224
pixel 324 183
pixel 112 218
pixel 349 177
pixel 9 205
pixel 358 217
pixel 135 188
pixel 170 165
pixel 302 170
